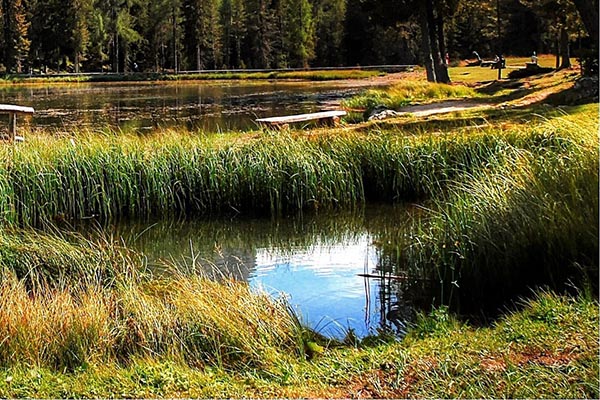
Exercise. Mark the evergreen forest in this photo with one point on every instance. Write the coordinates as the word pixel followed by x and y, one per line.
pixel 42 36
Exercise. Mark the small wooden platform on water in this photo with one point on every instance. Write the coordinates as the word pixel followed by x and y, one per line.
pixel 331 117
pixel 13 111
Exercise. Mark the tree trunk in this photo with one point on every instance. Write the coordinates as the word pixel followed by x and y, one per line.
pixel 588 11
pixel 198 57
pixel 441 72
pixel 557 47
pixel 442 44
pixel 564 48
pixel 440 34
pixel 426 46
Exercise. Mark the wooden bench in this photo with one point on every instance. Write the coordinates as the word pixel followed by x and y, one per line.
pixel 331 117
pixel 12 112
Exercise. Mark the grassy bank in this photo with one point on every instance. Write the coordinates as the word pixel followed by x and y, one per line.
pixel 528 219
pixel 547 350
pixel 406 92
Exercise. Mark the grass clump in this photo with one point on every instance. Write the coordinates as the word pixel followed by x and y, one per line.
pixel 190 319
pixel 407 92
pixel 526 221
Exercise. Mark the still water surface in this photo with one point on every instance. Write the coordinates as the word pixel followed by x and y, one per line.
pixel 313 260
pixel 146 106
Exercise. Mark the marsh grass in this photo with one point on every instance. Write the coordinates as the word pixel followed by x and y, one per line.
pixel 313 75
pixel 529 220
pixel 186 318
pixel 547 348
pixel 407 92
pixel 113 176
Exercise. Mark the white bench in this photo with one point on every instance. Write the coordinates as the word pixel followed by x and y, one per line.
pixel 12 112
pixel 331 117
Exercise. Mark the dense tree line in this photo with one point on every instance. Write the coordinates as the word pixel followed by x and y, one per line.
pixel 176 35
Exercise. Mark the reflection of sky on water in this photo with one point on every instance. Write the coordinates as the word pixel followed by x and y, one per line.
pixel 322 281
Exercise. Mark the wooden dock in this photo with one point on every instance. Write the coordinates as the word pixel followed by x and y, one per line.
pixel 331 117
pixel 13 111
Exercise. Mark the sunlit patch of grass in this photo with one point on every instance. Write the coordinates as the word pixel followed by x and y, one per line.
pixel 476 74
pixel 407 92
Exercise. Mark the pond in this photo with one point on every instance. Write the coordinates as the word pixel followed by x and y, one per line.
pixel 146 106
pixel 317 261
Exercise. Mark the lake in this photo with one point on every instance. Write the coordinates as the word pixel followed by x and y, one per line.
pixel 317 261
pixel 209 106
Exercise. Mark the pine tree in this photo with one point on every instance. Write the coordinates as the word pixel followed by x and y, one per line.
pixel 79 13
pixel 233 25
pixel 202 36
pixel 98 43
pixel 262 33
pixel 329 18
pixel 16 42
pixel 298 30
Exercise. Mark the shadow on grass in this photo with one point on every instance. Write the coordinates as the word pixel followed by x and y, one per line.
pixel 575 95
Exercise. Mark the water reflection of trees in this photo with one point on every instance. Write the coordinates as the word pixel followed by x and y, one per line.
pixel 400 294
pixel 232 241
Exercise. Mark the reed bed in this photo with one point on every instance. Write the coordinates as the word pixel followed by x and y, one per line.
pixel 529 220
pixel 190 319
pixel 113 176
pixel 314 75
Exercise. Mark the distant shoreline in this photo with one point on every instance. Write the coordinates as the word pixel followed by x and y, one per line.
pixel 316 74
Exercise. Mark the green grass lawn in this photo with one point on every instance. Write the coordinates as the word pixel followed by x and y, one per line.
pixel 476 74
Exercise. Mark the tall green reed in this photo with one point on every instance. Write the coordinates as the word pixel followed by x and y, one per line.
pixel 117 176
pixel 530 219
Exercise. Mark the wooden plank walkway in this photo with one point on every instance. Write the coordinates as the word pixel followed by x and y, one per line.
pixel 13 111
pixel 333 117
